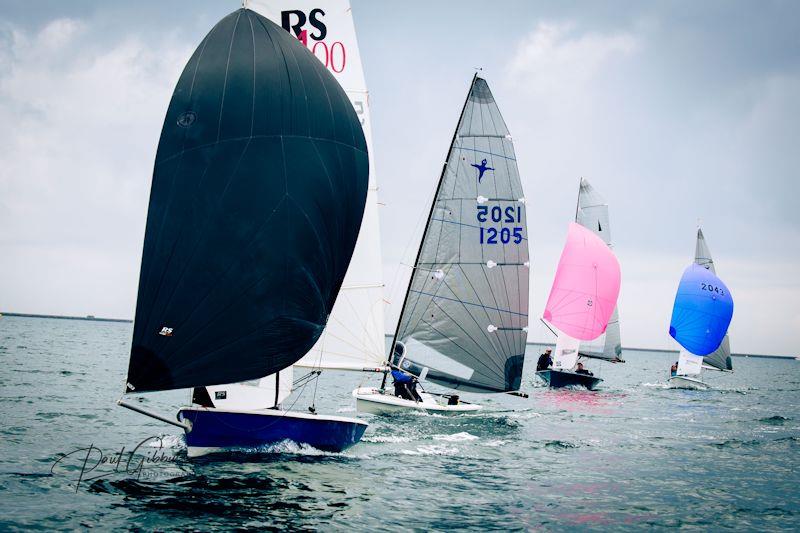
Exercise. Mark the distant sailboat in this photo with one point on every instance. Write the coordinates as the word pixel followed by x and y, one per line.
pixel 699 317
pixel 581 303
pixel 258 194
pixel 592 214
pixel 464 319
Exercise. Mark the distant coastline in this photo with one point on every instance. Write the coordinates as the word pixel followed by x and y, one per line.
pixel 62 317
pixel 760 356
pixel 125 320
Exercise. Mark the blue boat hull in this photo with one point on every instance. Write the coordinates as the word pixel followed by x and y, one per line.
pixel 560 378
pixel 215 430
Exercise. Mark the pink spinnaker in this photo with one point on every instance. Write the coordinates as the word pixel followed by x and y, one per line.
pixel 586 286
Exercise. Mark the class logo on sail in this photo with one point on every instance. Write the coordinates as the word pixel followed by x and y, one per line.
pixel 481 169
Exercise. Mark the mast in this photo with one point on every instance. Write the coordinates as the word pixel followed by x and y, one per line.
pixel 425 232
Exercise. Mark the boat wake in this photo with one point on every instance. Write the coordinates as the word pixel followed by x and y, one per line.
pixel 456 437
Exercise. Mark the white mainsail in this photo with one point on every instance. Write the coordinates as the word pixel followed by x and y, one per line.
pixel 263 393
pixel 592 214
pixel 565 356
pixel 354 336
pixel 689 364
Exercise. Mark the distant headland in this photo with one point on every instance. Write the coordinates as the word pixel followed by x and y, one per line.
pixel 62 317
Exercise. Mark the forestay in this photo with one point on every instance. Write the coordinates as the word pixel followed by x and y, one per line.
pixel 721 357
pixel 354 336
pixel 592 214
pixel 465 316
pixel 257 198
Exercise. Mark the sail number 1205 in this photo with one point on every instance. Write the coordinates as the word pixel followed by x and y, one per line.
pixel 508 215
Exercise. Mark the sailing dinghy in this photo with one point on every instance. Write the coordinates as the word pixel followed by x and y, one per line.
pixel 464 318
pixel 353 339
pixel 700 319
pixel 582 301
pixel 591 213
pixel 258 193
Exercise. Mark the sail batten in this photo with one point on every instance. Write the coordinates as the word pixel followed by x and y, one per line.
pixel 465 314
pixel 241 265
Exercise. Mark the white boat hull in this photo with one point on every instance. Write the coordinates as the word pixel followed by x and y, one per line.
pixel 685 382
pixel 370 400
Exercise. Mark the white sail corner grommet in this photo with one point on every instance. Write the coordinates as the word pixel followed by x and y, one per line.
pixel 491 328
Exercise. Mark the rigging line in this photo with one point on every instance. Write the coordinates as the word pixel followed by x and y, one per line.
pixel 469 303
pixel 363 323
pixel 462 147
pixel 500 370
pixel 227 67
pixel 357 348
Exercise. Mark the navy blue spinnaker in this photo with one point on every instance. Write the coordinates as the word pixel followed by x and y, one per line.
pixel 257 197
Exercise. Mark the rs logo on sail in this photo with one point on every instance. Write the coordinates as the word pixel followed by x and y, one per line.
pixel 333 56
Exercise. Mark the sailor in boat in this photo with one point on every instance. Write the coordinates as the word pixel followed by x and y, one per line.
pixel 405 386
pixel 580 370
pixel 674 369
pixel 545 360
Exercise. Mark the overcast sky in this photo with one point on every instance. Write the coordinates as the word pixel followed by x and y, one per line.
pixel 675 111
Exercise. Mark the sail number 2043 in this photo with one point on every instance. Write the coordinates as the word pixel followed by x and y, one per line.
pixel 497 214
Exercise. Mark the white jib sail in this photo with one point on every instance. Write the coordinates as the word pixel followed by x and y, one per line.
pixel 354 336
pixel 565 356
pixel 689 364
pixel 263 393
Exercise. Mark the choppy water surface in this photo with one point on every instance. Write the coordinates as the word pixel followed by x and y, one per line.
pixel 634 455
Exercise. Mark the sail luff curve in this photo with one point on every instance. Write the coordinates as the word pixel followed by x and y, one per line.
pixel 257 197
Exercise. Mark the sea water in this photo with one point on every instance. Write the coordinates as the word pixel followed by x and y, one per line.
pixel 633 455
